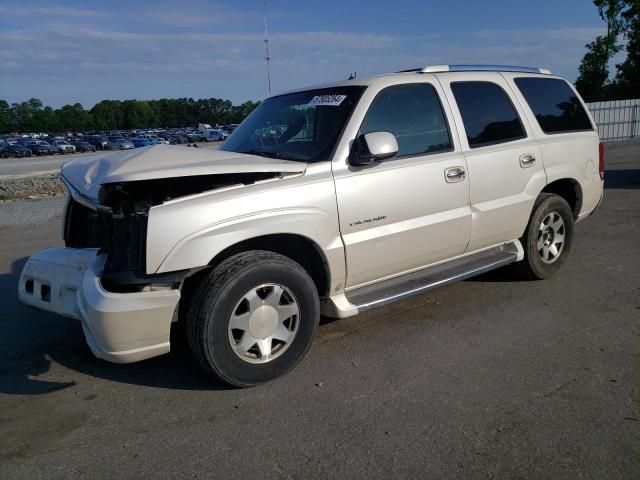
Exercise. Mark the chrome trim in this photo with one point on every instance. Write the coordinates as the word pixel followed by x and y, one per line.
pixel 436 276
pixel 429 286
pixel 478 68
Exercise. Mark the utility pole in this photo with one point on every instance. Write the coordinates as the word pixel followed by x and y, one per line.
pixel 266 47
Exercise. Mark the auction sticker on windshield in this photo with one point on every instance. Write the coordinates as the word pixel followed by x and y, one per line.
pixel 332 100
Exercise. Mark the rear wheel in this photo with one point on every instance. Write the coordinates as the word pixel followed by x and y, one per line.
pixel 547 239
pixel 252 318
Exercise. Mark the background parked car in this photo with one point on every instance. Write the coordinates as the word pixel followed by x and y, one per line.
pixel 159 140
pixel 82 146
pixel 97 141
pixel 196 137
pixel 119 143
pixel 38 147
pixel 62 146
pixel 146 140
pixel 218 135
pixel 15 150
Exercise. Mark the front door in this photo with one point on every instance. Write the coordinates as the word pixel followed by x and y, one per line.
pixel 410 211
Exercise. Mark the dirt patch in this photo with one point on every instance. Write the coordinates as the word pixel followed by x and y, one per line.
pixel 40 186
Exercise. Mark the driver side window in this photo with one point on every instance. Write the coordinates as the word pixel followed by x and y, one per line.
pixel 413 113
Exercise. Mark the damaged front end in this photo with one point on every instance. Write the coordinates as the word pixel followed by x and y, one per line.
pixel 117 225
pixel 101 277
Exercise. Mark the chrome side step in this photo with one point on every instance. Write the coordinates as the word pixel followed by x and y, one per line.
pixel 399 288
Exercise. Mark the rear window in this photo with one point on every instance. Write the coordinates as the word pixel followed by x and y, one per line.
pixel 487 113
pixel 554 104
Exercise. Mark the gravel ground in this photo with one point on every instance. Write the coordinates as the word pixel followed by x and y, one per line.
pixel 29 213
pixel 32 187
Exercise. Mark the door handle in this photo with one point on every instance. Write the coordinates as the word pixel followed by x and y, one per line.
pixel 454 174
pixel 527 160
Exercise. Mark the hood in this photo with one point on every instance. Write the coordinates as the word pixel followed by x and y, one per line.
pixel 87 175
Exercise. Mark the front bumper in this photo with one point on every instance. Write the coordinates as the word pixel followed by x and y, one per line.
pixel 118 327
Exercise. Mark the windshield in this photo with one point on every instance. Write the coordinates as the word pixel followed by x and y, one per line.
pixel 301 126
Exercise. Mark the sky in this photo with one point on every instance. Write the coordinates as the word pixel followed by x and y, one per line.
pixel 85 51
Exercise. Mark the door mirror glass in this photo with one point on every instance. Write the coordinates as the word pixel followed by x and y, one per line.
pixel 373 147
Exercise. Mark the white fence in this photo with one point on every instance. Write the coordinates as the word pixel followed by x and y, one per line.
pixel 617 120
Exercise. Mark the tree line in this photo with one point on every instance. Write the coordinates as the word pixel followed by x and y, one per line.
pixel 595 82
pixel 33 116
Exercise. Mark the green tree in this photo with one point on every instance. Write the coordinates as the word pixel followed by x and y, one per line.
pixel 137 114
pixel 594 67
pixel 6 118
pixel 73 118
pixel 240 112
pixel 23 113
pixel 592 78
pixel 46 120
pixel 627 81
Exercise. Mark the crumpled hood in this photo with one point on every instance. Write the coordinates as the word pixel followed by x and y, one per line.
pixel 87 175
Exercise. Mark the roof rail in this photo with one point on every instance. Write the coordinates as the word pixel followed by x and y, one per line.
pixel 477 68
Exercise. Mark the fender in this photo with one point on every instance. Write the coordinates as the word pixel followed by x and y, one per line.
pixel 189 232
pixel 575 157
pixel 200 247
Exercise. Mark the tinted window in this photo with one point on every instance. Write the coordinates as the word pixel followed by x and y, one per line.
pixel 487 113
pixel 554 104
pixel 413 114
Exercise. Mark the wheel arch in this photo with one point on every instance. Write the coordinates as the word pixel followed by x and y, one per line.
pixel 298 248
pixel 570 190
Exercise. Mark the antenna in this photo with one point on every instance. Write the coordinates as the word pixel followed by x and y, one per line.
pixel 266 47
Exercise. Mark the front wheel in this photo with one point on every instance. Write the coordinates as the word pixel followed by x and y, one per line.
pixel 253 318
pixel 547 239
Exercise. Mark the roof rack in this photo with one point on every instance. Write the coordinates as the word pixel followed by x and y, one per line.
pixel 477 68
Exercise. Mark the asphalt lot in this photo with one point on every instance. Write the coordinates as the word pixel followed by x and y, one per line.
pixel 493 377
pixel 10 167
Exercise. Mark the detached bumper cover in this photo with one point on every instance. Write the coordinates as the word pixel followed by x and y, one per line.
pixel 119 327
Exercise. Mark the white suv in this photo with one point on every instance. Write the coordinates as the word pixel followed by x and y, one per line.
pixel 332 199
pixel 63 147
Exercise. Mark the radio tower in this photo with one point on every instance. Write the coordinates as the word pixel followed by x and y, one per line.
pixel 266 47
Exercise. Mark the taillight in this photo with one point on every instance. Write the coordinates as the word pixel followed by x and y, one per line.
pixel 601 160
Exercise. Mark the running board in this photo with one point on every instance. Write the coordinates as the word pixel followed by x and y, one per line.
pixel 399 288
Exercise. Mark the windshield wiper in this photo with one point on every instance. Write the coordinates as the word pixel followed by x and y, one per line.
pixel 263 153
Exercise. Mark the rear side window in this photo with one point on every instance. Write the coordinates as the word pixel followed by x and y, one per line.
pixel 554 104
pixel 488 115
pixel 413 113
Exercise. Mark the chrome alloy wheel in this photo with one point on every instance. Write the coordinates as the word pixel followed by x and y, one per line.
pixel 264 323
pixel 551 237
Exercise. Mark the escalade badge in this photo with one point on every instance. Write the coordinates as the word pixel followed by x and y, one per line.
pixel 367 220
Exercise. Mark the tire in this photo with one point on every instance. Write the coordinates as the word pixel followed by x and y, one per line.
pixel 221 350
pixel 540 261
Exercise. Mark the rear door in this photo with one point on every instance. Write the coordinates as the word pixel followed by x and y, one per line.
pixel 504 159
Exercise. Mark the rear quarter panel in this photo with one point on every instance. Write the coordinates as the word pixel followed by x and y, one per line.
pixel 571 155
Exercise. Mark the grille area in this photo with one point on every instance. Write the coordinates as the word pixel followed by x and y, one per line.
pixel 121 236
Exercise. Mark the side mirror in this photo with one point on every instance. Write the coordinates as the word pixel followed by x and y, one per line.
pixel 372 148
